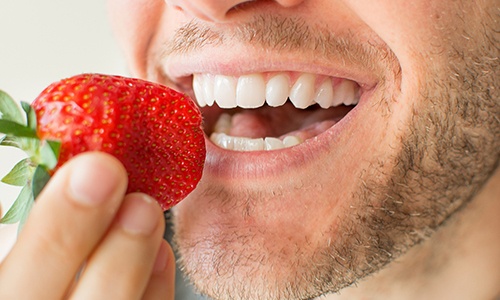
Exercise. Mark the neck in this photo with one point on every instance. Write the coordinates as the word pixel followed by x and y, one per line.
pixel 460 261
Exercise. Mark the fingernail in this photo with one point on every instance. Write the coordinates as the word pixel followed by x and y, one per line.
pixel 92 180
pixel 139 215
pixel 161 259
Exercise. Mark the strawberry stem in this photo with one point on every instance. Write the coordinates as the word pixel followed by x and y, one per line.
pixel 16 129
pixel 31 173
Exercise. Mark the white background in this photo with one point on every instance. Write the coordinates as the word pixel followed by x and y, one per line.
pixel 42 41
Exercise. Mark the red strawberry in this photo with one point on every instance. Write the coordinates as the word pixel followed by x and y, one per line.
pixel 153 130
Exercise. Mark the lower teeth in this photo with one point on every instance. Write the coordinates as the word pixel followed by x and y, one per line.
pixel 222 138
pixel 247 144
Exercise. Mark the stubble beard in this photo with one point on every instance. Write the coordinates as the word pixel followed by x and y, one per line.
pixel 449 149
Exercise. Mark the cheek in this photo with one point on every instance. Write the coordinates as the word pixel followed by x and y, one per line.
pixel 134 23
pixel 409 28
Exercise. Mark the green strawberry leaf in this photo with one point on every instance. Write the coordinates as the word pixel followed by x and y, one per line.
pixel 30 115
pixel 40 179
pixel 10 141
pixel 20 174
pixel 9 110
pixel 16 129
pixel 50 154
pixel 21 207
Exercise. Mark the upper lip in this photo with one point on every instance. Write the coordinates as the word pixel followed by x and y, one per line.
pixel 180 68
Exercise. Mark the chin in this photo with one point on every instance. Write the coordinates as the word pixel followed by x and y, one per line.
pixel 293 223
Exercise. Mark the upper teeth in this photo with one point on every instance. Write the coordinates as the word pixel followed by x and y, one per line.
pixel 253 90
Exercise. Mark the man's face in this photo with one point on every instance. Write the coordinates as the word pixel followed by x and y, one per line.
pixel 404 134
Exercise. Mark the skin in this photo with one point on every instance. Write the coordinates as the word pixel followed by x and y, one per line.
pixel 398 201
pixel 378 206
pixel 90 218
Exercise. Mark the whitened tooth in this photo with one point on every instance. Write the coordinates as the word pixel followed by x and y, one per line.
pixel 222 140
pixel 239 143
pixel 355 94
pixel 226 141
pixel 324 95
pixel 290 141
pixel 208 89
pixel 302 92
pixel 214 137
pixel 345 93
pixel 251 91
pixel 198 90
pixel 277 90
pixel 351 92
pixel 223 124
pixel 271 143
pixel 255 144
pixel 247 144
pixel 225 91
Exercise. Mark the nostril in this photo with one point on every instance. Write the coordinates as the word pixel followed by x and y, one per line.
pixel 177 7
pixel 208 10
pixel 242 5
pixel 289 3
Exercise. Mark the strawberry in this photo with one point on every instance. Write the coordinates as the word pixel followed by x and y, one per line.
pixel 153 130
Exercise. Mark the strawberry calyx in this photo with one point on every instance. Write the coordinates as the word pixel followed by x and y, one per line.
pixel 19 126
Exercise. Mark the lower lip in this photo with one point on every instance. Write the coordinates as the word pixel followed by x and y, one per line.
pixel 228 164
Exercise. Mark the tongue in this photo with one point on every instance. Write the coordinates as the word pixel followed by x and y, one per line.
pixel 277 122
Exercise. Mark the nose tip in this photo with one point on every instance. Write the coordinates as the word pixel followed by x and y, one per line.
pixel 217 10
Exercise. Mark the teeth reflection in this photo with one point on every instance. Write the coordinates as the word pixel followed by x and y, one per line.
pixel 247 144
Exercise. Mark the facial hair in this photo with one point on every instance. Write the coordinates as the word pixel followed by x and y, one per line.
pixel 449 148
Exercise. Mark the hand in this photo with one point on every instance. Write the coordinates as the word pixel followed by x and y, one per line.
pixel 83 219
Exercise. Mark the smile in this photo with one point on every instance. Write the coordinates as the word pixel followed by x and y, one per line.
pixel 272 110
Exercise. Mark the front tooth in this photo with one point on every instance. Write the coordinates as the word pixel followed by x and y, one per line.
pixel 302 91
pixel 277 90
pixel 251 91
pixel 271 143
pixel 345 93
pixel 198 89
pixel 324 95
pixel 225 91
pixel 247 144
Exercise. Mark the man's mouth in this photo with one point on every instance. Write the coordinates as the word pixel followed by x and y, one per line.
pixel 272 110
